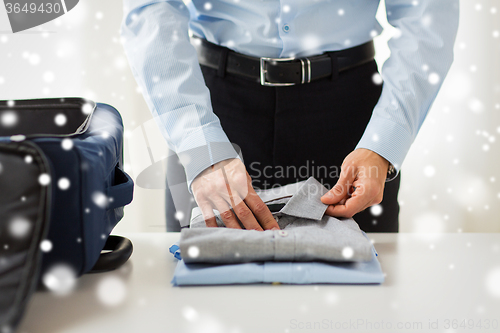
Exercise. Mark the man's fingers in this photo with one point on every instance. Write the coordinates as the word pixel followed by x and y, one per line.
pixel 227 184
pixel 341 188
pixel 261 211
pixel 351 207
pixel 208 215
pixel 356 203
pixel 246 217
pixel 226 214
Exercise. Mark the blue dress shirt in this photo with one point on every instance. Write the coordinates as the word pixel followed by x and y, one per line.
pixel 165 65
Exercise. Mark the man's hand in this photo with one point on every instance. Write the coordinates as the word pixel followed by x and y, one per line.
pixel 225 185
pixel 363 170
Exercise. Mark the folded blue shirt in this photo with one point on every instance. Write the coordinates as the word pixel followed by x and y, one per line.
pixel 285 272
pixel 306 196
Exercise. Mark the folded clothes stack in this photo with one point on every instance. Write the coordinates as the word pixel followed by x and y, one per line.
pixel 310 247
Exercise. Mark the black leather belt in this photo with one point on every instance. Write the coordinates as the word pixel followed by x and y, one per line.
pixel 281 71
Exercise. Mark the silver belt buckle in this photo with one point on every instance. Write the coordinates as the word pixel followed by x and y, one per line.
pixel 263 71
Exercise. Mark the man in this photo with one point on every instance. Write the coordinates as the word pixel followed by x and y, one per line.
pixel 336 122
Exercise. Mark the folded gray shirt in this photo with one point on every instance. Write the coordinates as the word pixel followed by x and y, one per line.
pixel 306 233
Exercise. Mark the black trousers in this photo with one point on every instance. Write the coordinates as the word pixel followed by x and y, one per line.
pixel 287 134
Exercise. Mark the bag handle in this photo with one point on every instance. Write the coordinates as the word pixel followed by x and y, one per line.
pixel 122 192
pixel 120 248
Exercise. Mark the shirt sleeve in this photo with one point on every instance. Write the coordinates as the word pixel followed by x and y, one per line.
pixel 421 55
pixel 165 66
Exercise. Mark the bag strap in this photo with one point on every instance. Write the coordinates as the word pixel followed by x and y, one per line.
pixel 122 192
pixel 120 249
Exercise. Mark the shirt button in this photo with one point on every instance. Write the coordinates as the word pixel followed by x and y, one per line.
pixel 286 28
pixel 283 233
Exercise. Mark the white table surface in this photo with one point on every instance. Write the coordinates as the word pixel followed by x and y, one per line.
pixel 433 283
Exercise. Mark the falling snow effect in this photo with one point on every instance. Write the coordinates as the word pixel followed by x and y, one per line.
pixel 67 144
pixel 19 227
pixel 331 298
pixel 46 245
pixel 8 119
pixel 476 105
pixel 433 78
pixel 87 108
pixel 48 77
pixel 428 226
pixel 100 199
pixel 18 138
pixel 426 20
pixel 60 119
pixel 184 159
pixel 44 179
pixel 376 210
pixel 193 251
pixel 429 171
pixel 493 282
pixel 60 279
pixel 179 215
pixel 111 291
pixel 377 79
pixel 33 59
pixel 63 183
pixel 347 252
pixel 6 329
pixel 103 123
pixel 190 314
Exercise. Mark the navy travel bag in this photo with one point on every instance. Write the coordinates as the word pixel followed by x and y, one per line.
pixel 62 191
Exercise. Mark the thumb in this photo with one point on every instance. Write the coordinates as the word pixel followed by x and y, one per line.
pixel 340 190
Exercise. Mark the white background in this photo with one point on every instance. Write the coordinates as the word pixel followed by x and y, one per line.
pixel 450 178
